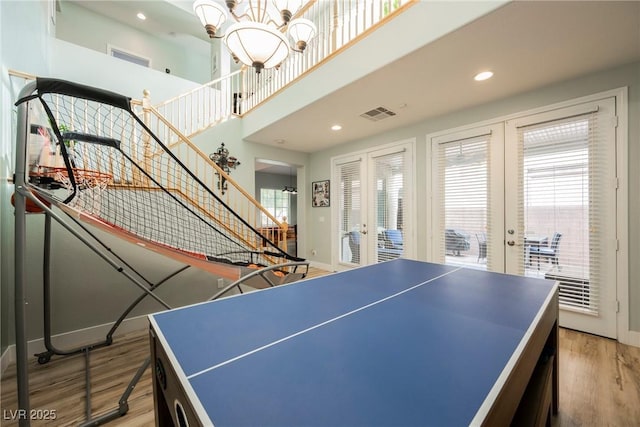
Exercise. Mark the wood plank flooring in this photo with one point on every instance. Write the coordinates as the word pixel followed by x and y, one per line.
pixel 599 383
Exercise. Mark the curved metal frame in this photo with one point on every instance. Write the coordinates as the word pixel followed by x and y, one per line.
pixel 263 274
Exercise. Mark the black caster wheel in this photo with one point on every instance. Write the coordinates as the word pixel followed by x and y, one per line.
pixel 44 358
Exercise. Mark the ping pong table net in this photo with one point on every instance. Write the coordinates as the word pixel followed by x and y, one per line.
pixel 89 151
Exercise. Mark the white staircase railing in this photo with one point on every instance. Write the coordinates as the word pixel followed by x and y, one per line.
pixel 204 106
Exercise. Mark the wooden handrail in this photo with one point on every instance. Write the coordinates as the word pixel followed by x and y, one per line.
pixel 21 74
pixel 211 163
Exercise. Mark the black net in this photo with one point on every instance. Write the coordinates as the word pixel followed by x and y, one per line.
pixel 96 156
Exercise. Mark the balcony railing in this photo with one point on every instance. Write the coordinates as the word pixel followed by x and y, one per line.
pixel 340 23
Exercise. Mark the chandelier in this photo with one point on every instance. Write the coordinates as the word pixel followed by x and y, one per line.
pixel 221 158
pixel 256 38
pixel 290 189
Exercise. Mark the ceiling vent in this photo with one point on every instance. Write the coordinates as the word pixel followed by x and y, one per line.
pixel 378 114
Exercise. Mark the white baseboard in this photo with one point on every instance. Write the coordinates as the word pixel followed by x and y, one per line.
pixel 631 338
pixel 75 339
pixel 7 358
pixel 321 266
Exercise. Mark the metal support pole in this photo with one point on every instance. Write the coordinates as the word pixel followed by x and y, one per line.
pixel 87 388
pixel 22 133
pixel 139 299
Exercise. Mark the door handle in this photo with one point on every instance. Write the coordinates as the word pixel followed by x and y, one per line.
pixel 511 243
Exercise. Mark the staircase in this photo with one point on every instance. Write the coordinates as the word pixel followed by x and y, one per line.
pixel 207 171
pixel 175 121
pixel 339 24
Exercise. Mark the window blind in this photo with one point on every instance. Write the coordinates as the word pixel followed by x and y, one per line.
pixel 349 214
pixel 561 185
pixel 463 167
pixel 389 183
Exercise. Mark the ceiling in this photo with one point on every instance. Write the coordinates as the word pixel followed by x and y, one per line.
pixel 527 44
pixel 171 20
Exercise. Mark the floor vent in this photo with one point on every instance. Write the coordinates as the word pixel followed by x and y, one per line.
pixel 378 114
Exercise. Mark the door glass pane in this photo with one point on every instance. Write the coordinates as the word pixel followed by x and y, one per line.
pixel 559 208
pixel 389 184
pixel 349 212
pixel 464 216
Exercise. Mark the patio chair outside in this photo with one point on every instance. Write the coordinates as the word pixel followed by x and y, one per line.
pixel 551 252
pixel 482 246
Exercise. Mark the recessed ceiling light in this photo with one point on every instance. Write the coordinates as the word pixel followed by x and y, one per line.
pixel 483 76
pixel 141 16
pixel 336 127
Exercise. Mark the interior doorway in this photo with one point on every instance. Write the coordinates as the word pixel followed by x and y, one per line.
pixel 276 189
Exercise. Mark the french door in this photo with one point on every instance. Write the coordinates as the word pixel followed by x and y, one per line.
pixel 562 208
pixel 467 198
pixel 373 206
pixel 535 196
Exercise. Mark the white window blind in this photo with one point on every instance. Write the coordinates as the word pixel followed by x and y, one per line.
pixel 349 213
pixel 561 189
pixel 388 204
pixel 463 167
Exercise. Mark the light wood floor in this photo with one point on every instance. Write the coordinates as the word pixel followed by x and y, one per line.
pixel 599 383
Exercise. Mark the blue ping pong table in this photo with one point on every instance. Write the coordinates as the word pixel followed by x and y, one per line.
pixel 400 343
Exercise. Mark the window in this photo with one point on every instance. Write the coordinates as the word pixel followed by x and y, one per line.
pixel 276 202
pixel 561 199
pixel 464 196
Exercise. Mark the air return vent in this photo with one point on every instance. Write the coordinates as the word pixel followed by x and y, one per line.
pixel 378 114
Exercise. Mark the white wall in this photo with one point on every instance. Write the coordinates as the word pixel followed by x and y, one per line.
pixel 230 133
pixel 30 51
pixel 81 26
pixel 86 66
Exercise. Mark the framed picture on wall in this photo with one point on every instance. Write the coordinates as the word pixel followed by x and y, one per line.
pixel 320 195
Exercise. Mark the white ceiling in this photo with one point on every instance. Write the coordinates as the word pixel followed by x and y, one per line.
pixel 171 20
pixel 528 44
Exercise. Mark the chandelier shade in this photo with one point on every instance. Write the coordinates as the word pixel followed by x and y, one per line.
pixel 258 37
pixel 287 8
pixel 211 14
pixel 301 31
pixel 257 45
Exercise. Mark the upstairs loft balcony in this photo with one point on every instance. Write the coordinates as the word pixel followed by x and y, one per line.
pixel 338 25
pixel 354 39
